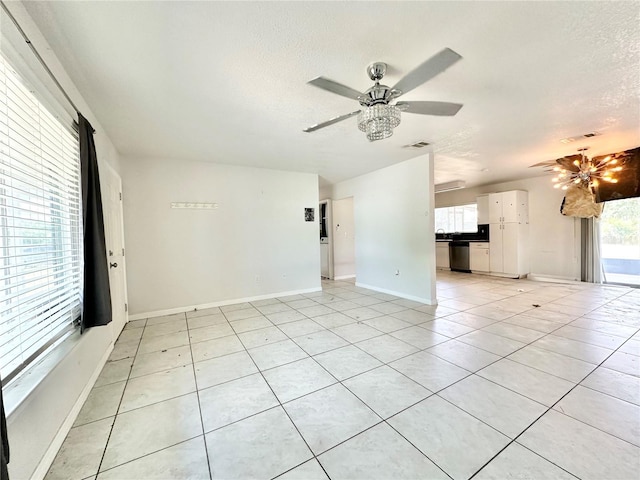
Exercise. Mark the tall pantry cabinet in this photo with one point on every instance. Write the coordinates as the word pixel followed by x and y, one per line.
pixel 509 233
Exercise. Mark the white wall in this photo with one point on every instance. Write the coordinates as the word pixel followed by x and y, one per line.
pixel 39 412
pixel 256 243
pixel 554 239
pixel 393 209
pixel 344 251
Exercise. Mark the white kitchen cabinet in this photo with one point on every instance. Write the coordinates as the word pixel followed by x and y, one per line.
pixel 479 257
pixel 442 255
pixel 482 203
pixel 508 207
pixel 496 247
pixel 509 233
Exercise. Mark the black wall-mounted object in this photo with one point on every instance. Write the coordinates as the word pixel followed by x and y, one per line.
pixel 628 185
pixel 309 214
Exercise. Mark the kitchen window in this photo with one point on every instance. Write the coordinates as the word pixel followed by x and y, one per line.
pixel 40 225
pixel 458 219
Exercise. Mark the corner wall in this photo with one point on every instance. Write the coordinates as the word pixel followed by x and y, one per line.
pixel 256 243
pixel 394 229
pixel 554 239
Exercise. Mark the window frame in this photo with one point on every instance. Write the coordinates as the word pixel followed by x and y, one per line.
pixel 453 212
pixel 60 218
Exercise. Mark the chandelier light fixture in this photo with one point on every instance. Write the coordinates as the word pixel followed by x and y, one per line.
pixel 585 171
pixel 378 121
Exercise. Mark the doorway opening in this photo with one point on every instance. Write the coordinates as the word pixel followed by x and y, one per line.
pixel 343 227
pixel 620 241
pixel 326 253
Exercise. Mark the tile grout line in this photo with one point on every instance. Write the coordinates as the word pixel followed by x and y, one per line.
pixel 195 381
pixel 383 363
pixel 514 440
pixel 383 420
pixel 341 382
pixel 282 408
pixel 115 417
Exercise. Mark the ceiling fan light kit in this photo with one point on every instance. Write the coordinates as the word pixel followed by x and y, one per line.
pixel 378 117
pixel 586 171
pixel 378 121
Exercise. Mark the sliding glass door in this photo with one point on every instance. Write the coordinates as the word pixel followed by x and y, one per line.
pixel 620 241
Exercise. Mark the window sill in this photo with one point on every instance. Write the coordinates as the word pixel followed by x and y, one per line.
pixel 19 388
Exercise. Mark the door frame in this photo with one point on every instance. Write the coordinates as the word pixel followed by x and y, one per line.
pixel 329 213
pixel 112 177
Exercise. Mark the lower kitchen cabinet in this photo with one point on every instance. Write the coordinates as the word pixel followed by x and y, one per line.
pixel 479 256
pixel 442 255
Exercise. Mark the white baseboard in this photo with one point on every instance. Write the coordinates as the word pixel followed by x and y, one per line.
pixel 190 308
pixel 399 294
pixel 50 455
pixel 552 278
pixel 344 277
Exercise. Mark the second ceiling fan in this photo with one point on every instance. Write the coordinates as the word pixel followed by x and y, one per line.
pixel 378 117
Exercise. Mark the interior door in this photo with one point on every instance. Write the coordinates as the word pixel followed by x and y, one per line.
pixel 114 239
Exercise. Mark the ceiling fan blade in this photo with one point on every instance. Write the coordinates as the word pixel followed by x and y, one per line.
pixel 443 109
pixel 567 162
pixel 547 163
pixel 335 87
pixel 426 71
pixel 331 121
pixel 563 162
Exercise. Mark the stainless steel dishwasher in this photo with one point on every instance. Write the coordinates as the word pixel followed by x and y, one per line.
pixel 459 256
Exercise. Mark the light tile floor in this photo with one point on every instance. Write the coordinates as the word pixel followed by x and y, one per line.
pixel 503 379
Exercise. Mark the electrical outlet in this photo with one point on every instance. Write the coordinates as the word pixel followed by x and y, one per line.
pixel 257 278
pixel 397 272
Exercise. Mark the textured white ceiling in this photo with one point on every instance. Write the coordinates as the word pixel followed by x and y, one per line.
pixel 226 81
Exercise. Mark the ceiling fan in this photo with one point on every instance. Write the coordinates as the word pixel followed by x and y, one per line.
pixel 378 117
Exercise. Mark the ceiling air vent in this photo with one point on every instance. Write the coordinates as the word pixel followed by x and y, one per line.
pixel 580 137
pixel 417 145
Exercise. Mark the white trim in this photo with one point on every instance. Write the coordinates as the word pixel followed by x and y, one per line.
pixel 22 385
pixel 344 277
pixel 49 456
pixel 190 308
pixel 515 276
pixel 552 279
pixel 398 294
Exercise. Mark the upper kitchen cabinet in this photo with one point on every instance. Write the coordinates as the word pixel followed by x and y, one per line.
pixel 483 209
pixel 508 207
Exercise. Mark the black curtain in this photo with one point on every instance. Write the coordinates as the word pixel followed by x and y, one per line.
pixel 96 304
pixel 4 453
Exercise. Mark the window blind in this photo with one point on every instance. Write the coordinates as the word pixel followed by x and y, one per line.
pixel 40 225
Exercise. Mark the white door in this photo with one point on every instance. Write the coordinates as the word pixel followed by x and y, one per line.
pixel 495 248
pixel 114 239
pixel 510 248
